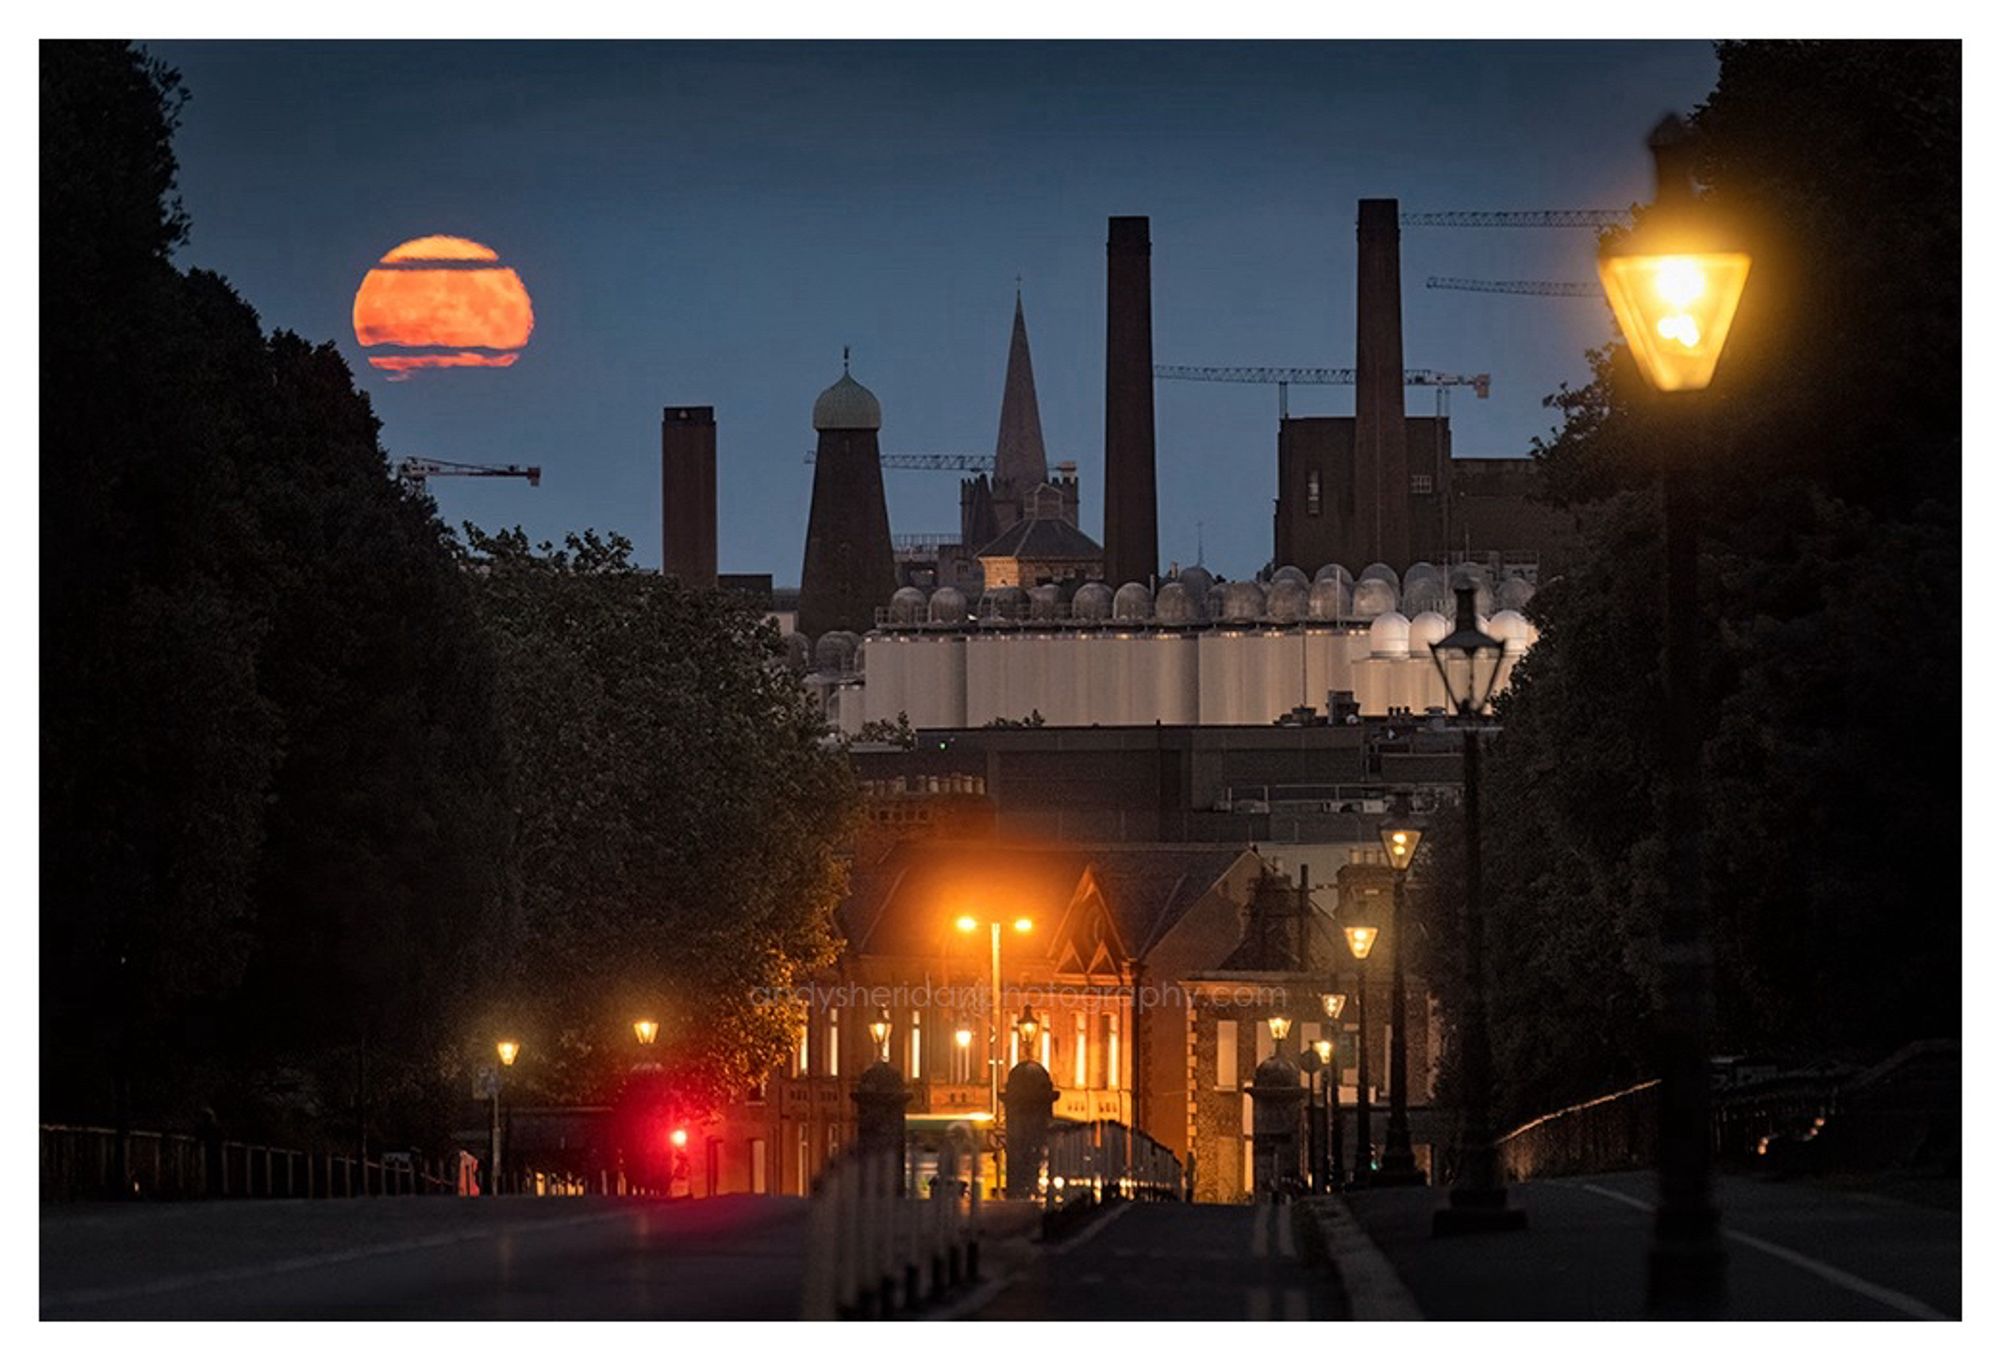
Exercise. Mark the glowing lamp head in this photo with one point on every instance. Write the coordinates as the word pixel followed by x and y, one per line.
pixel 679 1138
pixel 1333 1003
pixel 1401 835
pixel 1468 661
pixel 879 1029
pixel 1280 1026
pixel 1672 284
pixel 962 1036
pixel 1022 925
pixel 508 1051
pixel 967 924
pixel 1324 1048
pixel 646 1031
pixel 1361 939
pixel 1028 1026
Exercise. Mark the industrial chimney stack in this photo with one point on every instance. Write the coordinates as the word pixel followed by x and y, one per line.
pixel 1131 504
pixel 1381 458
pixel 687 494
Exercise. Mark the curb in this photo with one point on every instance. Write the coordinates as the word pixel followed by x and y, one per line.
pixel 1375 1292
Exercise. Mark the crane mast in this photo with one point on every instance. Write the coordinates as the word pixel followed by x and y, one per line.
pixel 418 471
pixel 1594 218
pixel 1282 378
pixel 1523 287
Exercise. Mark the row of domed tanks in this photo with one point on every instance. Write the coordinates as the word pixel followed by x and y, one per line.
pixel 1425 594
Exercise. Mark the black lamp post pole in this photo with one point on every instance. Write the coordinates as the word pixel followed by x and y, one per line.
pixel 1364 1152
pixel 1399 1160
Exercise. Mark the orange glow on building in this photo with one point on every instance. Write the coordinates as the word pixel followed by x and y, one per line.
pixel 442 302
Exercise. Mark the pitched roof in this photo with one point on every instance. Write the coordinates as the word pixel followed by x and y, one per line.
pixel 1020 462
pixel 1042 540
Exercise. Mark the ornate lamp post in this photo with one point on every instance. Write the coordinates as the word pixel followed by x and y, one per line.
pixel 1674 285
pixel 1323 1051
pixel 1361 940
pixel 1400 837
pixel 1469 662
pixel 878 1030
pixel 1333 1003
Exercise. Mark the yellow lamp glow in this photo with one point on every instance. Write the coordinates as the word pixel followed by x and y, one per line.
pixel 679 1138
pixel 508 1051
pixel 1675 311
pixel 646 1030
pixel 1027 1027
pixel 879 1028
pixel 1361 939
pixel 1324 1048
pixel 967 924
pixel 1333 1003
pixel 1022 925
pixel 962 1037
pixel 1401 836
pixel 1281 1025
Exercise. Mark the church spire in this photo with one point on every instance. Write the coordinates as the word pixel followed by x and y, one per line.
pixel 1020 462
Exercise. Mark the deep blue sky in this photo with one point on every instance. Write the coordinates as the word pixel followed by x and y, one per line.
pixel 709 223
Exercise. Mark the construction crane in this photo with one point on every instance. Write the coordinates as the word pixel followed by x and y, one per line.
pixel 931 462
pixel 1480 383
pixel 1595 218
pixel 1524 287
pixel 417 471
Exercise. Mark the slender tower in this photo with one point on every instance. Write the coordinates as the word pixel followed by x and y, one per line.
pixel 687 494
pixel 850 566
pixel 1381 458
pixel 1131 506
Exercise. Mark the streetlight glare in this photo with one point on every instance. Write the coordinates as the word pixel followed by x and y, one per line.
pixel 1281 1025
pixel 1023 925
pixel 1675 311
pixel 646 1030
pixel 1361 939
pixel 967 924
pixel 1324 1048
pixel 962 1037
pixel 508 1051
pixel 1333 1003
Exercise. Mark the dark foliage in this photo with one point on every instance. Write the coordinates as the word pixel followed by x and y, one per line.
pixel 1829 456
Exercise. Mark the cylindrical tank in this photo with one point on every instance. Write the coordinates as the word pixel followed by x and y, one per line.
pixel 1287 600
pixel 948 605
pixel 1331 599
pixel 1372 596
pixel 907 606
pixel 1092 603
pixel 1173 604
pixel 1242 602
pixel 1389 636
pixel 1132 604
pixel 1292 574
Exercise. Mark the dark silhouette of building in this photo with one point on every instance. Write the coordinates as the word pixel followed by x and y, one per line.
pixel 687 493
pixel 1021 486
pixel 1381 459
pixel 850 565
pixel 1131 506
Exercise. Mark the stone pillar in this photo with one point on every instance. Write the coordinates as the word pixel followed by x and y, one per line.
pixel 880 1099
pixel 1275 1100
pixel 1030 1097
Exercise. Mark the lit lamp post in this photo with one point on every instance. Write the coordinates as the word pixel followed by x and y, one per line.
pixel 646 1031
pixel 1324 1049
pixel 1334 1004
pixel 1469 663
pixel 1361 940
pixel 878 1029
pixel 508 1051
pixel 968 925
pixel 1400 837
pixel 1674 287
pixel 1029 1028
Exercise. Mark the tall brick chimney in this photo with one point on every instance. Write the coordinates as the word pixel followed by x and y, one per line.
pixel 1131 503
pixel 687 494
pixel 1381 461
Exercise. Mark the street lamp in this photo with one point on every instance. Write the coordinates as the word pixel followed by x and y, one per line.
pixel 1674 284
pixel 1028 1026
pixel 967 925
pixel 878 1028
pixel 508 1050
pixel 1280 1026
pixel 646 1031
pixel 1469 662
pixel 1323 1051
pixel 1361 940
pixel 1333 1003
pixel 1400 837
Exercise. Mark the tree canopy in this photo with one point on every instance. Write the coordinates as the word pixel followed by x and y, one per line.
pixel 1828 464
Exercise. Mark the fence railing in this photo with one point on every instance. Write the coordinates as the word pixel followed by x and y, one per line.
pixel 874 1251
pixel 1105 1159
pixel 81 1162
pixel 1611 1133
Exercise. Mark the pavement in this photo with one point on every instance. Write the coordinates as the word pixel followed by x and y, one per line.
pixel 1171 1262
pixel 1798 1250
pixel 426 1257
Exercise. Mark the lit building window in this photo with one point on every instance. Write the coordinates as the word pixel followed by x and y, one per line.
pixel 1312 492
pixel 1113 1077
pixel 800 1056
pixel 1048 1049
pixel 833 1041
pixel 1081 1070
pixel 916 1044
pixel 1225 1055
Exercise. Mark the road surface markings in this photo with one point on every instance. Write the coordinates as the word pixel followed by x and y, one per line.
pixel 1295 1306
pixel 1260 1304
pixel 1867 1289
pixel 1375 1292
pixel 1260 1232
pixel 1104 1220
pixel 175 1283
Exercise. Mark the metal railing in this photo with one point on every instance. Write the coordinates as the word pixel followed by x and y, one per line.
pixel 1615 1132
pixel 873 1251
pixel 82 1162
pixel 1103 1160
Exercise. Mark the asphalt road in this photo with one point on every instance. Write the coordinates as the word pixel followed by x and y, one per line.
pixel 1173 1262
pixel 426 1257
pixel 1797 1251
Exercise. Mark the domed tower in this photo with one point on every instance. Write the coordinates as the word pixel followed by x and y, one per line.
pixel 850 568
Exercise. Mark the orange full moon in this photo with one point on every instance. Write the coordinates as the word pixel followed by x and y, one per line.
pixel 442 302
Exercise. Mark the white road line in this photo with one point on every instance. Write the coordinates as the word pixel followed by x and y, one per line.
pixel 1287 1244
pixel 174 1283
pixel 1260 1304
pixel 1104 1220
pixel 1295 1306
pixel 1867 1289
pixel 1260 1232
